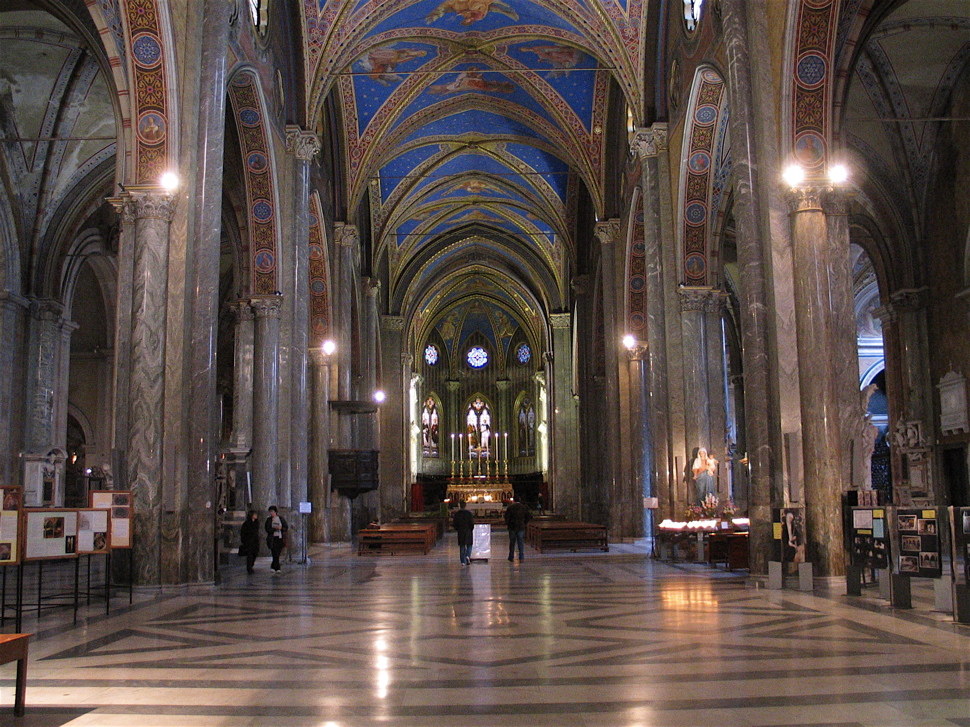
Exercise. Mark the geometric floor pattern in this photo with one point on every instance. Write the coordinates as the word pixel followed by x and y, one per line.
pixel 586 640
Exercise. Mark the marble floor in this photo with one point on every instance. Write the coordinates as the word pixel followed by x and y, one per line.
pixel 586 640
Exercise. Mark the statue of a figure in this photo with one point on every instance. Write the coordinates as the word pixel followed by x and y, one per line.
pixel 704 470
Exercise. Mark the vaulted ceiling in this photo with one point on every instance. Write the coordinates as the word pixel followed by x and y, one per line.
pixel 471 128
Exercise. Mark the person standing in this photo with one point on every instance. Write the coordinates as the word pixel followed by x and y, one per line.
pixel 464 523
pixel 276 529
pixel 517 516
pixel 249 539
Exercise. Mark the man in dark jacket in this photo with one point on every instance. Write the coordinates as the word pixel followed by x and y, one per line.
pixel 249 539
pixel 276 529
pixel 517 517
pixel 464 523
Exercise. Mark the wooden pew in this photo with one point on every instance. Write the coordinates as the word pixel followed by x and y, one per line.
pixel 566 535
pixel 397 539
pixel 13 647
pixel 438 522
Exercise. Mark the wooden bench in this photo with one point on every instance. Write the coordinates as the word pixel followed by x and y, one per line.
pixel 438 522
pixel 13 647
pixel 397 539
pixel 566 535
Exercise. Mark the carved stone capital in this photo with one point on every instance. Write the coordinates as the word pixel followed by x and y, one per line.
pixel 244 310
pixel 407 360
pixel 806 199
pixel 144 205
pixel 267 306
pixel 580 285
pixel 705 299
pixel 346 235
pixel 835 201
pixel 317 357
pixel 392 323
pixel 12 301
pixel 608 231
pixel 372 286
pixel 304 145
pixel 46 309
pixel 503 384
pixel 561 320
pixel 908 300
pixel 452 385
pixel 637 352
pixel 648 142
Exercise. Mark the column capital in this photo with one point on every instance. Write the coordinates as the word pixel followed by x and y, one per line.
pixel 407 360
pixel 607 231
pixel 452 385
pixel 346 234
pixel 806 199
pixel 302 144
pixel 267 306
pixel 144 204
pixel 243 310
pixel 579 285
pixel 908 300
pixel 372 286
pixel 648 142
pixel 392 323
pixel 835 201
pixel 638 352
pixel 701 298
pixel 46 309
pixel 561 320
pixel 317 357
pixel 11 300
pixel 502 384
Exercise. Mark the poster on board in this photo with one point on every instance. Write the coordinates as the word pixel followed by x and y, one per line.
pixel 93 531
pixel 869 537
pixel 50 533
pixel 118 502
pixel 918 543
pixel 10 505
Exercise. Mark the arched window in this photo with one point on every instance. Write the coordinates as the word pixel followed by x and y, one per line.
pixel 430 418
pixel 478 425
pixel 526 428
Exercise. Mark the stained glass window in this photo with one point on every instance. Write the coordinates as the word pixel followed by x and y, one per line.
pixel 692 13
pixel 478 429
pixel 527 428
pixel 429 428
pixel 254 11
pixel 431 354
pixel 523 353
pixel 477 357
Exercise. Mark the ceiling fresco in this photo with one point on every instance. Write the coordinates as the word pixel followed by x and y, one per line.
pixel 475 118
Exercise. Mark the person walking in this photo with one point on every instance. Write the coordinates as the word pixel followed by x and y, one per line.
pixel 276 528
pixel 517 516
pixel 249 539
pixel 464 523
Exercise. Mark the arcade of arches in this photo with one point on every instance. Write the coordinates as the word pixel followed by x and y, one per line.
pixel 476 201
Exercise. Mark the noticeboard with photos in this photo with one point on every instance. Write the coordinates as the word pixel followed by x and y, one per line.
pixel 119 504
pixel 918 543
pixel 93 531
pixel 49 533
pixel 869 537
pixel 10 504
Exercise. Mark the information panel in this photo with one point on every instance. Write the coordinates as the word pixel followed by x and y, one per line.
pixel 118 502
pixel 10 524
pixel 919 543
pixel 50 533
pixel 93 531
pixel 869 537
pixel 788 530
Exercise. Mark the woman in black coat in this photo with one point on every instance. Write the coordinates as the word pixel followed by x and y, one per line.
pixel 249 539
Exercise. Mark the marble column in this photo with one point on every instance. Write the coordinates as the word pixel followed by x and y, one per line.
pixel 48 353
pixel 148 217
pixel 199 536
pixel 393 414
pixel 319 444
pixel 565 471
pixel 608 233
pixel 506 418
pixel 641 485
pixel 703 367
pixel 242 390
pixel 762 419
pixel 651 146
pixel 456 417
pixel 817 357
pixel 304 145
pixel 348 241
pixel 13 312
pixel 266 401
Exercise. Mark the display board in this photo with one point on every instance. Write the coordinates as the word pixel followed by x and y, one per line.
pixel 119 504
pixel 50 533
pixel 869 537
pixel 788 529
pixel 93 531
pixel 918 543
pixel 10 505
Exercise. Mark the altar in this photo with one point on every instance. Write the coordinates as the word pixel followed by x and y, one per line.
pixel 483 493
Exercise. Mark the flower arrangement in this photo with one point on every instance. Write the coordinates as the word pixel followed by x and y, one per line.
pixel 710 509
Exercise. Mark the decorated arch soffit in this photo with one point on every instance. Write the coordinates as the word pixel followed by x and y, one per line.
pixel 705 171
pixel 320 315
pixel 261 198
pixel 485 111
